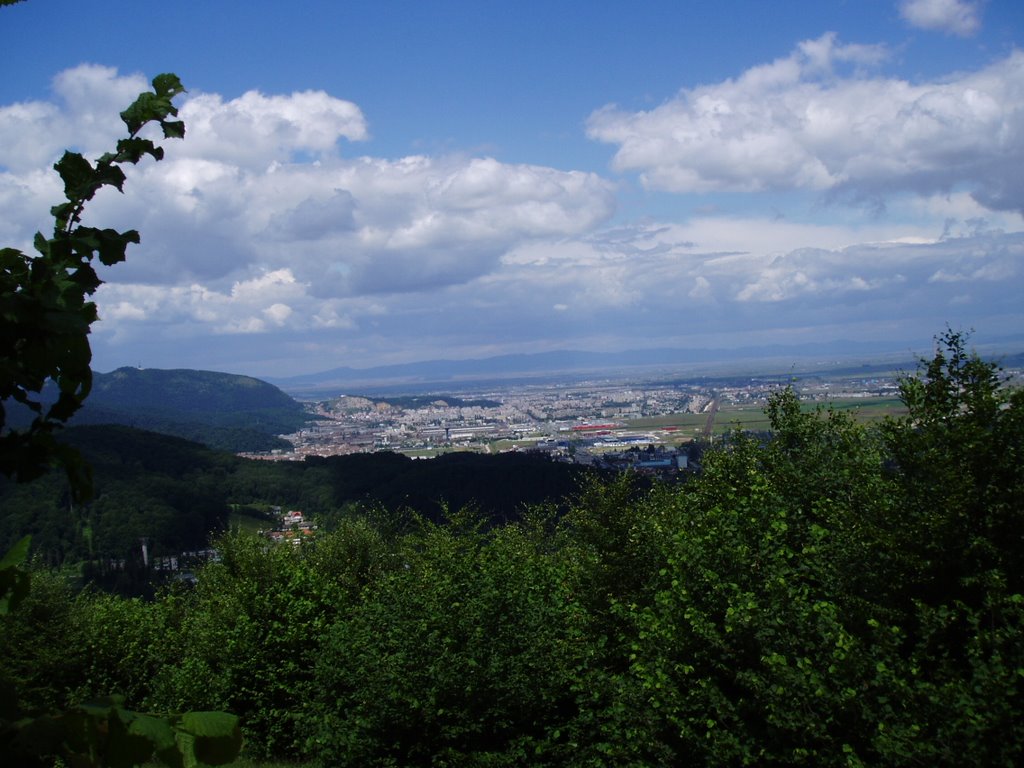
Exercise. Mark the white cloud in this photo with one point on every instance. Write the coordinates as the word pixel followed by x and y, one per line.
pixel 24 132
pixel 673 271
pixel 89 99
pixel 701 288
pixel 249 306
pixel 255 129
pixel 643 285
pixel 257 224
pixel 796 124
pixel 288 248
pixel 957 17
pixel 259 185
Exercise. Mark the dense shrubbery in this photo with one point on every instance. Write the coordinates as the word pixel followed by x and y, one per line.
pixel 837 595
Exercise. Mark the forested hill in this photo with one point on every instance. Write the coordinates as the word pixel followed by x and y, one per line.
pixel 177 493
pixel 221 410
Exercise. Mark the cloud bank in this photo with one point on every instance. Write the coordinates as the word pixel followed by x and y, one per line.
pixel 820 120
pixel 274 242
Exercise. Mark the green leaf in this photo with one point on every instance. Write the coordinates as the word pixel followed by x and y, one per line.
pixel 109 244
pixel 157 730
pixel 173 129
pixel 62 213
pixel 209 723
pixel 17 554
pixel 14 581
pixel 76 173
pixel 167 85
pixel 218 737
pixel 132 150
pixel 139 112
pixel 40 243
pixel 109 175
pixel 153 106
pixel 125 748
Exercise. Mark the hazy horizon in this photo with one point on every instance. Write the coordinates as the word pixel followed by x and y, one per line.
pixel 367 184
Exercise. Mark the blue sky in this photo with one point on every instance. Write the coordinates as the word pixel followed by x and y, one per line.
pixel 378 182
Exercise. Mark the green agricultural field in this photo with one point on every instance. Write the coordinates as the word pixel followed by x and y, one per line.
pixel 752 417
pixel 748 417
pixel 870 409
pixel 435 451
pixel 246 523
pixel 684 421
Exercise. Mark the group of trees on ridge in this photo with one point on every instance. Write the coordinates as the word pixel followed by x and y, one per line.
pixel 224 411
pixel 176 495
pixel 838 594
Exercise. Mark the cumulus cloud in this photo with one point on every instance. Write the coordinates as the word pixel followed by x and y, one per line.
pixel 637 285
pixel 256 129
pixel 261 183
pixel 264 302
pixel 348 226
pixel 261 222
pixel 957 17
pixel 84 114
pixel 264 238
pixel 800 123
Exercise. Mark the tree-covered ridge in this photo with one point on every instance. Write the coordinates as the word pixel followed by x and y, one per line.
pixel 221 410
pixel 190 391
pixel 177 493
pixel 836 595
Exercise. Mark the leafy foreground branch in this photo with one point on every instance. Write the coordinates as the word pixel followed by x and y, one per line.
pixel 45 317
pixel 839 595
pixel 45 314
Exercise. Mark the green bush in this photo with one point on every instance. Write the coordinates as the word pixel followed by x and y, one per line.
pixel 43 651
pixel 252 630
pixel 467 653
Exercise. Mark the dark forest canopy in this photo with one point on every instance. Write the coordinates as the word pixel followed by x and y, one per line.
pixel 177 493
pixel 838 594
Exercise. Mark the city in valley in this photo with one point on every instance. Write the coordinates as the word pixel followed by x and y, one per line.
pixel 653 423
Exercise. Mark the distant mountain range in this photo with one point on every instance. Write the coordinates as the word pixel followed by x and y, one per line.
pixel 757 360
pixel 564 362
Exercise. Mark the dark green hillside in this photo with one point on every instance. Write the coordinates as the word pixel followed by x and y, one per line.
pixel 176 493
pixel 191 391
pixel 160 487
pixel 222 410
pixel 123 452
pixel 502 484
